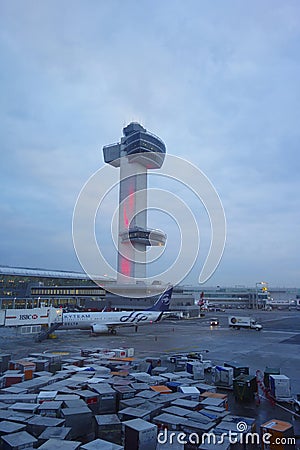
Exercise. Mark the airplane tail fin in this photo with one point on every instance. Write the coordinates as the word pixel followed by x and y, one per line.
pixel 163 302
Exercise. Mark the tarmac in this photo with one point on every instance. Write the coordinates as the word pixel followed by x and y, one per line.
pixel 277 345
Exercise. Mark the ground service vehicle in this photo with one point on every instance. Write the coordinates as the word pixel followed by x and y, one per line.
pixel 297 405
pixel 214 322
pixel 243 322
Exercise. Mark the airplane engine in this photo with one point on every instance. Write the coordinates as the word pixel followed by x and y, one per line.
pixel 98 329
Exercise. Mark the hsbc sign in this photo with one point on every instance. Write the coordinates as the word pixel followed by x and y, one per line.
pixel 19 317
pixel 28 316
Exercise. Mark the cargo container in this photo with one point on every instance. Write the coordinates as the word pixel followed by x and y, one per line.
pixel 61 433
pixel 52 444
pixel 280 387
pixel 45 396
pixel 101 444
pixel 148 394
pixel 169 421
pixel 170 376
pixel 196 416
pixel 120 352
pixel 41 365
pixel 283 431
pixel 153 408
pixel 161 389
pixel 37 424
pixel 236 419
pixel 15 389
pixel 213 401
pixel 7 427
pixel 226 427
pixel 159 370
pixel 24 407
pixel 132 402
pixel 108 427
pixel 12 377
pixel 196 369
pixel 173 385
pixel 191 427
pixel 15 416
pixel 138 386
pixel 238 369
pixel 42 373
pixel 203 387
pixel 79 419
pixel 107 399
pixel 213 413
pixel 4 361
pixel 185 374
pixel 91 398
pixel 140 434
pixel 18 441
pixel 270 371
pixel 18 398
pixel 134 413
pixel 26 367
pixel 124 392
pixel 244 387
pixel 50 408
pixel 190 391
pixel 222 376
pixel 176 410
pixel 209 394
pixel 188 404
pixel 142 377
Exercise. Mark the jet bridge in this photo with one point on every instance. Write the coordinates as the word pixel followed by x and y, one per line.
pixel 33 319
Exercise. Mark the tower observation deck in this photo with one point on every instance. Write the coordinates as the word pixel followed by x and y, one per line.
pixel 137 152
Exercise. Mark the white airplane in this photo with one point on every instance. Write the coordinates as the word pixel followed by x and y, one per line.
pixel 107 322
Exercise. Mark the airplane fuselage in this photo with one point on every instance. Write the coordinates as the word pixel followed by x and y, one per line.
pixel 87 320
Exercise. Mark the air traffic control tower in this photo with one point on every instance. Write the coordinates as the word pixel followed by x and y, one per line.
pixel 137 152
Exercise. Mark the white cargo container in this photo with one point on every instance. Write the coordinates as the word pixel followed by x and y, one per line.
pixel 280 386
pixel 243 322
pixel 190 391
pixel 222 376
pixel 120 352
pixel 130 352
pixel 196 368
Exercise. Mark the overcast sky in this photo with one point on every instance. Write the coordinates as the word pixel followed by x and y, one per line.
pixel 217 81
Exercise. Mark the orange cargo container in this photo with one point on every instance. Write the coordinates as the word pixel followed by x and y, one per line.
pixel 209 394
pixel 162 389
pixel 27 367
pixel 13 378
pixel 282 435
pixel 122 373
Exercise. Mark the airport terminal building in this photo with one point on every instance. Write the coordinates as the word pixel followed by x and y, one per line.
pixel 22 287
pixel 28 287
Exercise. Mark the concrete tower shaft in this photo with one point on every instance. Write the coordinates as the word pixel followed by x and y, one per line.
pixel 137 152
